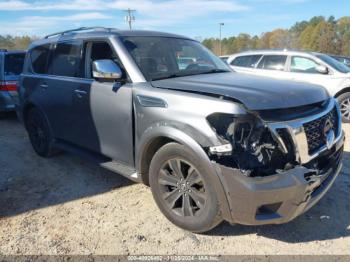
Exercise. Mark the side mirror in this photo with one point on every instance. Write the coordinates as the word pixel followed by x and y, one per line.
pixel 106 69
pixel 322 69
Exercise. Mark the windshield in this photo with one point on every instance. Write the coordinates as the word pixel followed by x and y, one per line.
pixel 167 57
pixel 14 64
pixel 334 63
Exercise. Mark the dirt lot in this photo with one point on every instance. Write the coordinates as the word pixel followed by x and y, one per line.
pixel 66 205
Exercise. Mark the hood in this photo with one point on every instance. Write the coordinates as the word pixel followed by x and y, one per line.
pixel 256 93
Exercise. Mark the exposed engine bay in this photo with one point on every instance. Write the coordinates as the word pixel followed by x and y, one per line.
pixel 256 151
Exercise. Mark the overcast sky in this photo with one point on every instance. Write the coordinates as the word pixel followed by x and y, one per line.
pixel 188 17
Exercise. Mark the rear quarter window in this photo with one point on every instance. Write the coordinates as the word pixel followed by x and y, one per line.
pixel 13 64
pixel 39 57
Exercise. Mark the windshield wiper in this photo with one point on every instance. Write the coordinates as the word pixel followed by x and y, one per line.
pixel 166 77
pixel 191 74
pixel 213 71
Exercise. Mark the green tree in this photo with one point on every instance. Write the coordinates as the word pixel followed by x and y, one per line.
pixel 343 31
pixel 279 38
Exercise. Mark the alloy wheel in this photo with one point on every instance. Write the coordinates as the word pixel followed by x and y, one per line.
pixel 345 108
pixel 36 132
pixel 182 188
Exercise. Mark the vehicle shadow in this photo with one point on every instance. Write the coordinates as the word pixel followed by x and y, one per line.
pixel 28 182
pixel 328 219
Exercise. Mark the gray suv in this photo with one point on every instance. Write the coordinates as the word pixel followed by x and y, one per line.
pixel 11 65
pixel 212 144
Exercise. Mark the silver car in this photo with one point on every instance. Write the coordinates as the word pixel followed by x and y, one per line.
pixel 309 67
pixel 213 145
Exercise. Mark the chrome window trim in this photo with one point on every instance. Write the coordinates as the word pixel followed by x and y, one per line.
pixel 298 135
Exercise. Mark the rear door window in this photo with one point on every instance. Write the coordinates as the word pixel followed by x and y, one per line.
pixel 273 62
pixel 13 64
pixel 246 61
pixel 39 57
pixel 67 60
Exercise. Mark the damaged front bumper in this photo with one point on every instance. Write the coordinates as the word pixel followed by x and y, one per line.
pixel 279 198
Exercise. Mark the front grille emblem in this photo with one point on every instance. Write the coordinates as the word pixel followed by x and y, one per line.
pixel 328 133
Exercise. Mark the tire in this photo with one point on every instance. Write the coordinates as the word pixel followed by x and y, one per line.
pixel 185 196
pixel 40 134
pixel 344 103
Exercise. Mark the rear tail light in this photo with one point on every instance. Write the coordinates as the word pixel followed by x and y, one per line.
pixel 8 86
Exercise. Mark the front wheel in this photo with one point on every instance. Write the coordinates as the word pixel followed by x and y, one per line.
pixel 183 190
pixel 344 103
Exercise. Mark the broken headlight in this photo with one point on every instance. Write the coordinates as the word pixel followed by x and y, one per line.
pixel 256 151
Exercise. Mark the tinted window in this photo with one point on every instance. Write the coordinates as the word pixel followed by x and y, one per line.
pixel 14 64
pixel 67 60
pixel 273 62
pixel 303 65
pixel 39 57
pixel 167 57
pixel 246 61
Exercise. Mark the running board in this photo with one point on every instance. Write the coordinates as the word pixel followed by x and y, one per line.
pixel 122 169
pixel 100 160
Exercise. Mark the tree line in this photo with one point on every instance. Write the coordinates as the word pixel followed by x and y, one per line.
pixel 319 34
pixel 15 42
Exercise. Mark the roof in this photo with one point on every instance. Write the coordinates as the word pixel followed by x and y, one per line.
pixel 341 56
pixel 276 51
pixel 83 33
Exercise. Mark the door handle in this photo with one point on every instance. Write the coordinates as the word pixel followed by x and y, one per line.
pixel 80 93
pixel 44 86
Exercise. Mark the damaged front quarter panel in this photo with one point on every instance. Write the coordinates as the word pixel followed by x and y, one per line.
pixel 185 112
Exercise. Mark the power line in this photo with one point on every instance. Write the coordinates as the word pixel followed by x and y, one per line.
pixel 129 18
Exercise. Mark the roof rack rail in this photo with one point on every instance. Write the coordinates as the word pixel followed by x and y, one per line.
pixel 77 30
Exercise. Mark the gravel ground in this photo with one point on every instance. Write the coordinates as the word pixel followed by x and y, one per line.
pixel 66 205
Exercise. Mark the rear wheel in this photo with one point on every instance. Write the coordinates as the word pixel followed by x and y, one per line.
pixel 344 102
pixel 39 133
pixel 183 189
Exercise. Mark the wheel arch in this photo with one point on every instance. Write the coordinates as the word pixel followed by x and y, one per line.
pixel 26 109
pixel 155 138
pixel 343 91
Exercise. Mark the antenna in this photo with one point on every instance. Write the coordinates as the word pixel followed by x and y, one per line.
pixel 129 18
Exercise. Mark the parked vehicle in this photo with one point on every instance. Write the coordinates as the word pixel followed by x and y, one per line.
pixel 11 65
pixel 212 144
pixel 224 58
pixel 342 59
pixel 310 67
pixel 184 62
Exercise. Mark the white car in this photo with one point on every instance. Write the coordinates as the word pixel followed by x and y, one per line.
pixel 309 67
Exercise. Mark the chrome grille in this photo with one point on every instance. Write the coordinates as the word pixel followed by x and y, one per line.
pixel 314 130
